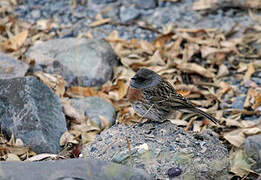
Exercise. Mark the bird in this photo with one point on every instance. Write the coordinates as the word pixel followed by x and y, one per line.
pixel 154 98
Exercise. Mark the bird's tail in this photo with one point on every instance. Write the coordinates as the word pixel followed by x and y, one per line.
pixel 204 114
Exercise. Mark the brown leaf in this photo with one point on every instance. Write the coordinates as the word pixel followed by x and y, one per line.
pixel 53 81
pixel 15 42
pixel 100 22
pixel 119 90
pixel 223 71
pixel 195 68
pixel 67 138
pixel 160 41
pixel 257 101
pixel 71 112
pixel 250 70
pixel 235 137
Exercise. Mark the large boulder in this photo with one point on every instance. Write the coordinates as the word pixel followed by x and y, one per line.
pixel 83 62
pixel 32 112
pixel 163 150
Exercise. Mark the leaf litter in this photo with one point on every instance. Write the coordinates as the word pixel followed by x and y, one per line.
pixel 198 62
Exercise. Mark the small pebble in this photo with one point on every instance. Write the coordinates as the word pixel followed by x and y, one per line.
pixel 174 172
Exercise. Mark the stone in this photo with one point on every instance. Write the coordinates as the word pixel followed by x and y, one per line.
pixel 97 110
pixel 79 169
pixel 253 147
pixel 238 102
pixel 11 68
pixel 81 62
pixel 32 112
pixel 146 4
pixel 157 148
pixel 103 1
pixel 128 14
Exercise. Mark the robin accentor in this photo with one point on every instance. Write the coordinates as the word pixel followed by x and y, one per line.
pixel 154 98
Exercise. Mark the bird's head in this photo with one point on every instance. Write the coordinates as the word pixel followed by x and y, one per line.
pixel 145 78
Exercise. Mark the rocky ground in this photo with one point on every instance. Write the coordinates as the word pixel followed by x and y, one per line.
pixel 64 75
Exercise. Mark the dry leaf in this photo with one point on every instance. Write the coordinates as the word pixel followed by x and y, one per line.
pixel 119 90
pixel 15 42
pixel 105 123
pixel 250 70
pixel 88 137
pixel 40 157
pixel 257 101
pixel 12 157
pixel 195 68
pixel 100 22
pixel 53 81
pixel 240 164
pixel 71 112
pixel 223 71
pixel 160 41
pixel 235 137
pixel 67 138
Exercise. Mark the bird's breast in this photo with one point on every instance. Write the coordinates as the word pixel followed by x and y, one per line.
pixel 134 94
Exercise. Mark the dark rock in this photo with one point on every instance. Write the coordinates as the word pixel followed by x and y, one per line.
pixel 80 169
pixel 239 102
pixel 199 156
pixel 146 4
pixel 128 14
pixel 173 172
pixel 103 1
pixel 95 108
pixel 82 62
pixel 32 112
pixel 11 68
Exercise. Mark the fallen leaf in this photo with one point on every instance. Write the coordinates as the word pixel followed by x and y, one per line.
pixel 40 157
pixel 235 137
pixel 67 138
pixel 53 81
pixel 250 70
pixel 100 22
pixel 71 112
pixel 240 164
pixel 161 40
pixel 195 68
pixel 223 71
pixel 12 157
pixel 15 42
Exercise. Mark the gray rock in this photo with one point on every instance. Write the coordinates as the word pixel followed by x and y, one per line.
pixel 160 149
pixel 36 14
pixel 239 102
pixel 32 112
pixel 83 62
pixel 11 68
pixel 146 4
pixel 79 169
pixel 253 150
pixel 257 80
pixel 253 147
pixel 95 108
pixel 128 14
